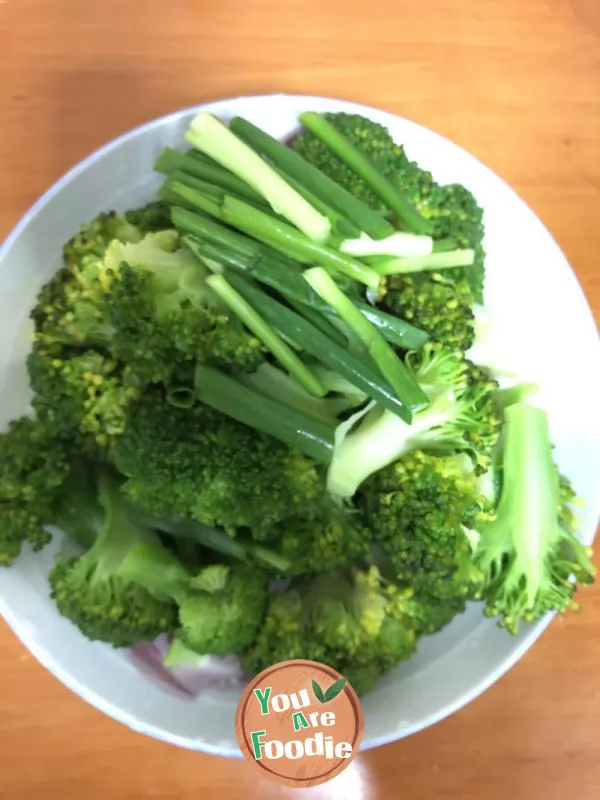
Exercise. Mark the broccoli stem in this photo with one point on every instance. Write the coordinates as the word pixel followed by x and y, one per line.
pixel 350 155
pixel 181 657
pixel 313 179
pixel 119 532
pixel 263 331
pixel 514 394
pixel 173 162
pixel 332 355
pixel 78 512
pixel 212 137
pixel 390 365
pixel 290 242
pixel 429 263
pixel 157 570
pixel 297 430
pixel 526 554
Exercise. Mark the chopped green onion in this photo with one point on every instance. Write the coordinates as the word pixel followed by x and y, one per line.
pixel 339 224
pixel 322 186
pixel 337 358
pixel 443 245
pixel 173 162
pixel 278 385
pixel 390 365
pixel 290 242
pixel 263 331
pixel 181 397
pixel 289 283
pixel 212 137
pixel 216 539
pixel 300 431
pixel 430 263
pixel 208 201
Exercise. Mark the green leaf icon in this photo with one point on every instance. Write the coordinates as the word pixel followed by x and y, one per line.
pixel 335 688
pixel 318 692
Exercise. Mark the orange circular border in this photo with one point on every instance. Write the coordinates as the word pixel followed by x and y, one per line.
pixel 246 747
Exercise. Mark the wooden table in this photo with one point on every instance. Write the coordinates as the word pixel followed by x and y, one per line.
pixel 518 84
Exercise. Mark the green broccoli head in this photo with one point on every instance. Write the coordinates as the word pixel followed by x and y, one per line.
pixel 454 213
pixel 69 308
pixel 330 538
pixel 418 509
pixel 195 462
pixel 351 619
pixel 89 592
pixel 219 609
pixel 80 396
pixel 531 560
pixel 222 616
pixel 68 311
pixel 283 635
pixel 33 468
pixel 91 241
pixel 452 209
pixel 143 298
pixel 441 306
pixel 164 314
pixel 107 609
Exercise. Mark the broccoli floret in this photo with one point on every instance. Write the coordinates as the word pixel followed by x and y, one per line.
pixel 532 562
pixel 80 396
pixel 461 417
pixel 418 509
pixel 69 306
pixel 454 213
pixel 331 538
pixel 89 592
pixel 69 310
pixel 440 306
pixel 91 241
pixel 33 468
pixel 163 311
pixel 452 209
pixel 351 620
pixel 144 300
pixel 150 218
pixel 195 462
pixel 220 608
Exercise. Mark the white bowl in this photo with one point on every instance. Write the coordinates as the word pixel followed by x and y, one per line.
pixel 535 303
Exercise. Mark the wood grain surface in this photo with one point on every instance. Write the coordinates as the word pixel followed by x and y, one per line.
pixel 517 83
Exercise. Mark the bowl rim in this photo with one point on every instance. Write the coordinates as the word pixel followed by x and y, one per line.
pixel 20 629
